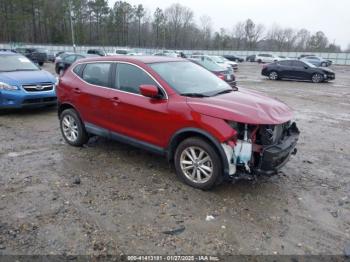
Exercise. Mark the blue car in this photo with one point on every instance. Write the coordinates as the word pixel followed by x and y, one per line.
pixel 23 84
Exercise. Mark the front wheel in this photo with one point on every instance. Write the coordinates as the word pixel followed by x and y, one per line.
pixel 197 163
pixel 72 128
pixel 273 75
pixel 317 78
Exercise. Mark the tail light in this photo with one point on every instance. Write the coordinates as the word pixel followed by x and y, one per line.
pixel 221 76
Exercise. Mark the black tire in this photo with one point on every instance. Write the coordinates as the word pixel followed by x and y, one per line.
pixel 214 163
pixel 273 75
pixel 41 63
pixel 317 78
pixel 81 134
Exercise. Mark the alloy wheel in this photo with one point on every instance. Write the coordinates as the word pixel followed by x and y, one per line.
pixel 70 128
pixel 196 164
pixel 317 78
pixel 273 75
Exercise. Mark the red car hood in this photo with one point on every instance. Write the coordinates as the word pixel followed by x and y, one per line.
pixel 243 106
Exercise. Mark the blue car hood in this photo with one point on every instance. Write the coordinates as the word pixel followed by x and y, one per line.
pixel 19 78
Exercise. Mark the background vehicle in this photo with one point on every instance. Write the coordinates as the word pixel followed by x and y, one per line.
pixel 36 55
pixel 223 61
pixel 221 72
pixel 282 57
pixel 266 58
pixel 67 60
pixel 297 69
pixel 130 52
pixel 167 53
pixel 214 59
pixel 23 83
pixel 250 58
pixel 233 58
pixel 98 52
pixel 317 61
pixel 209 130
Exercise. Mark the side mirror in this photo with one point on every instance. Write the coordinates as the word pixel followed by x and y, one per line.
pixel 150 91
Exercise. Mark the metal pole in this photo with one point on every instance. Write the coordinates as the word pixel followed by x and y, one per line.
pixel 71 24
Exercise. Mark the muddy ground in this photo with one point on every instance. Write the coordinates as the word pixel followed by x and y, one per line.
pixel 127 198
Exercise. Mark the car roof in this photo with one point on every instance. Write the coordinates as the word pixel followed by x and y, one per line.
pixel 135 59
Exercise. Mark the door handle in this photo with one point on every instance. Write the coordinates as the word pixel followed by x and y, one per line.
pixel 115 100
pixel 77 90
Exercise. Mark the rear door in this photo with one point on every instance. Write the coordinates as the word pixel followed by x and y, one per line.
pixel 286 69
pixel 94 95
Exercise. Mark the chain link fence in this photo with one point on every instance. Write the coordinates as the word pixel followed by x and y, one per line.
pixel 337 58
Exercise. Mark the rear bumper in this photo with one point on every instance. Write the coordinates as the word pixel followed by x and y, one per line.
pixel 274 157
pixel 20 98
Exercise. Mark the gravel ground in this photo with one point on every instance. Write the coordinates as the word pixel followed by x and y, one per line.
pixel 110 198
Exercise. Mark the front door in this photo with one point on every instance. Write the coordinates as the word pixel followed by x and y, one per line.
pixel 137 116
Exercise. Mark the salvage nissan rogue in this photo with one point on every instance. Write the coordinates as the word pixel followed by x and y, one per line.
pixel 170 106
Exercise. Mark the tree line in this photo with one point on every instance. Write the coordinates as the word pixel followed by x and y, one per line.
pixel 175 27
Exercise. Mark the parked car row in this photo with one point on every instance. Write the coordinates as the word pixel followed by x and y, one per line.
pixel 270 58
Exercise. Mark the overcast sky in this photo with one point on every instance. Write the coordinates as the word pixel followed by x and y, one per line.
pixel 331 17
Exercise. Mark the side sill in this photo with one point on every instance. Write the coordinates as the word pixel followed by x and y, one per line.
pixel 99 131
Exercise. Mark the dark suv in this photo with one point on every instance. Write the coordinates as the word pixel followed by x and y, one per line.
pixel 178 109
pixel 36 55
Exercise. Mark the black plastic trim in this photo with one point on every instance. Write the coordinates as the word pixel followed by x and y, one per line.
pixel 96 130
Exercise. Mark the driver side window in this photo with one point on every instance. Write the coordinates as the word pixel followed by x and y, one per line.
pixel 129 78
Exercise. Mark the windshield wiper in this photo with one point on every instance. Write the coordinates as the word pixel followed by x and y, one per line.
pixel 194 94
pixel 224 92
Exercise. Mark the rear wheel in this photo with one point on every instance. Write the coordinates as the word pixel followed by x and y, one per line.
pixel 273 75
pixel 317 78
pixel 41 63
pixel 72 128
pixel 197 163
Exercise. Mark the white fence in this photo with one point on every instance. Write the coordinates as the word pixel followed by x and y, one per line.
pixel 337 58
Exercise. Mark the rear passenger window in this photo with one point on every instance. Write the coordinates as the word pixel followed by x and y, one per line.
pixel 285 63
pixel 129 78
pixel 77 69
pixel 97 74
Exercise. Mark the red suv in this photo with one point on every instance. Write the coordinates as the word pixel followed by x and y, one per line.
pixel 178 109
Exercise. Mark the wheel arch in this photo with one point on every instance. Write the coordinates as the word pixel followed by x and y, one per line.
pixel 63 106
pixel 185 133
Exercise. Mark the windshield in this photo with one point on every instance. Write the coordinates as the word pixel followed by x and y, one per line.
pixel 187 78
pixel 218 59
pixel 10 63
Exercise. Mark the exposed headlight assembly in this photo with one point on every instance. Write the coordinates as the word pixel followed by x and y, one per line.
pixel 4 86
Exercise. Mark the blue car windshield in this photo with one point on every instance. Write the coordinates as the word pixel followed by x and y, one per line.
pixel 10 63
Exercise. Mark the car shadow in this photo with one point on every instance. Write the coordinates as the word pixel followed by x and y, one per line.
pixel 29 110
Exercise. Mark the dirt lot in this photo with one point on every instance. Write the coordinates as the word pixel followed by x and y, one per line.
pixel 127 197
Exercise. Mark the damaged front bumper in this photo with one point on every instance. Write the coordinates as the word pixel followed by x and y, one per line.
pixel 264 159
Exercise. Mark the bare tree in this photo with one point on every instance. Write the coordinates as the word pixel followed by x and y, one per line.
pixel 253 33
